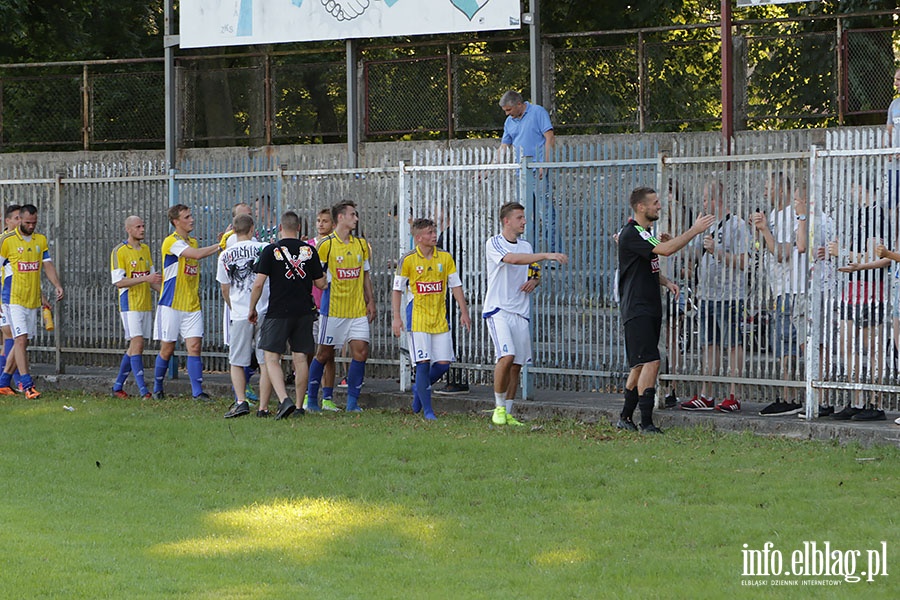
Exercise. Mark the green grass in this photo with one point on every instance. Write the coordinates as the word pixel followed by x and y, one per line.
pixel 167 499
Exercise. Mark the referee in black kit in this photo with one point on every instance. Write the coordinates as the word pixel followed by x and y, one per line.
pixel 640 301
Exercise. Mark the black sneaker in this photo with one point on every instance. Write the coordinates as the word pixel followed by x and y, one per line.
pixel 284 409
pixel 203 397
pixel 651 428
pixel 159 395
pixel 869 414
pixel 453 388
pixel 298 412
pixel 826 411
pixel 262 414
pixel 239 409
pixel 626 423
pixel 846 414
pixel 671 400
pixel 780 409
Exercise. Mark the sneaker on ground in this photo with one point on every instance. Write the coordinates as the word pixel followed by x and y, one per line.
pixel 120 393
pixel 203 397
pixel 698 403
pixel 780 408
pixel 499 416
pixel 671 400
pixel 262 414
pixel 512 421
pixel 285 409
pixel 7 391
pixel 250 395
pixel 239 409
pixel 729 404
pixel 869 414
pixel 159 395
pixel 329 405
pixel 897 420
pixel 20 386
pixel 147 396
pixel 626 423
pixel 453 388
pixel 824 411
pixel 430 416
pixel 343 383
pixel 651 428
pixel 846 414
pixel 32 394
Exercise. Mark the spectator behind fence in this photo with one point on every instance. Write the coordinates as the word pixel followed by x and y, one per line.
pixel 862 307
pixel 721 291
pixel 893 141
pixel 786 270
pixel 639 289
pixel 529 132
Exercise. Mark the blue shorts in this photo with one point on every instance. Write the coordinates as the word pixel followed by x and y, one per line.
pixel 721 323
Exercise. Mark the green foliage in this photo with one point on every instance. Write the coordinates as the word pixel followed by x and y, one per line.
pixel 126 499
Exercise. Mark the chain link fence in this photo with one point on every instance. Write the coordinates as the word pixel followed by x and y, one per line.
pixel 788 73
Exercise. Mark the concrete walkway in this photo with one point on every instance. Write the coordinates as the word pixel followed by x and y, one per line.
pixel 583 406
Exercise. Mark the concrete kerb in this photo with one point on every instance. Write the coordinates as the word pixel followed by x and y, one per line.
pixel 584 407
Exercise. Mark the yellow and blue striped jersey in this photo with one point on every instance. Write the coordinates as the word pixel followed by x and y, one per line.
pixel 181 276
pixel 344 265
pixel 127 262
pixel 428 280
pixel 22 263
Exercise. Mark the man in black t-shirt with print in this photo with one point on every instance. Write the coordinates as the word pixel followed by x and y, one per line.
pixel 292 268
pixel 641 305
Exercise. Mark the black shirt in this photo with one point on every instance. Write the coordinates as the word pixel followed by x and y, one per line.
pixel 291 266
pixel 638 273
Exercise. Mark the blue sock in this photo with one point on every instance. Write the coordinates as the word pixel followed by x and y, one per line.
pixel 124 370
pixel 5 379
pixel 355 375
pixel 137 367
pixel 27 381
pixel 3 361
pixel 315 379
pixel 195 374
pixel 159 373
pixel 437 371
pixel 17 377
pixel 423 388
pixel 327 393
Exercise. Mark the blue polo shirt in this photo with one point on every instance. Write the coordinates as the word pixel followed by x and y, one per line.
pixel 526 134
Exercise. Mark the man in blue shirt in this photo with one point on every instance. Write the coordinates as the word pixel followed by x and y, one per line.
pixel 529 133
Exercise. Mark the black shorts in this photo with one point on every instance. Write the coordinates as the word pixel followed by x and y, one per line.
pixel 277 332
pixel 642 340
pixel 863 315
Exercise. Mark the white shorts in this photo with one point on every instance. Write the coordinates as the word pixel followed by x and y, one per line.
pixel 244 340
pixel 316 328
pixel 511 336
pixel 336 331
pixel 23 321
pixel 4 318
pixel 171 322
pixel 137 323
pixel 432 347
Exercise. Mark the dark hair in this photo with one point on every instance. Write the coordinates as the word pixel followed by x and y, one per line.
pixel 12 208
pixel 421 225
pixel 290 222
pixel 639 195
pixel 31 209
pixel 340 207
pixel 242 224
pixel 325 211
pixel 175 211
pixel 508 208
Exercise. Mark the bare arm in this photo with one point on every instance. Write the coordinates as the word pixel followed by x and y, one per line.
pixel 396 323
pixel 255 295
pixel 321 283
pixel 464 318
pixel 369 294
pixel 226 293
pixel 518 258
pixel 53 278
pixel 154 279
pixel 675 244
pixel 198 253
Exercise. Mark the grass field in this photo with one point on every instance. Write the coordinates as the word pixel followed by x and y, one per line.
pixel 121 499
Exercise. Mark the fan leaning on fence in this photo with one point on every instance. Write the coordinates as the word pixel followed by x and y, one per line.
pixel 641 304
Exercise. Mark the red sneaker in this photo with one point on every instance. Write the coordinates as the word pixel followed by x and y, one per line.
pixel 729 404
pixel 698 403
pixel 120 393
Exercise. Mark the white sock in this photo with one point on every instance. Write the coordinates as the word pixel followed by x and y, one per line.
pixel 499 399
pixel 508 406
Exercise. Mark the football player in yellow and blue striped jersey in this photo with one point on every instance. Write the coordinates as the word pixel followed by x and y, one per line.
pixel 133 275
pixel 348 305
pixel 24 254
pixel 11 221
pixel 178 311
pixel 427 272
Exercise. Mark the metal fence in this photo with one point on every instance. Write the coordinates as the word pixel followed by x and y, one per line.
pixel 803 72
pixel 577 203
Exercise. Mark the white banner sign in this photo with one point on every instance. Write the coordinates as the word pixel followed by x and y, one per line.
pixel 206 23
